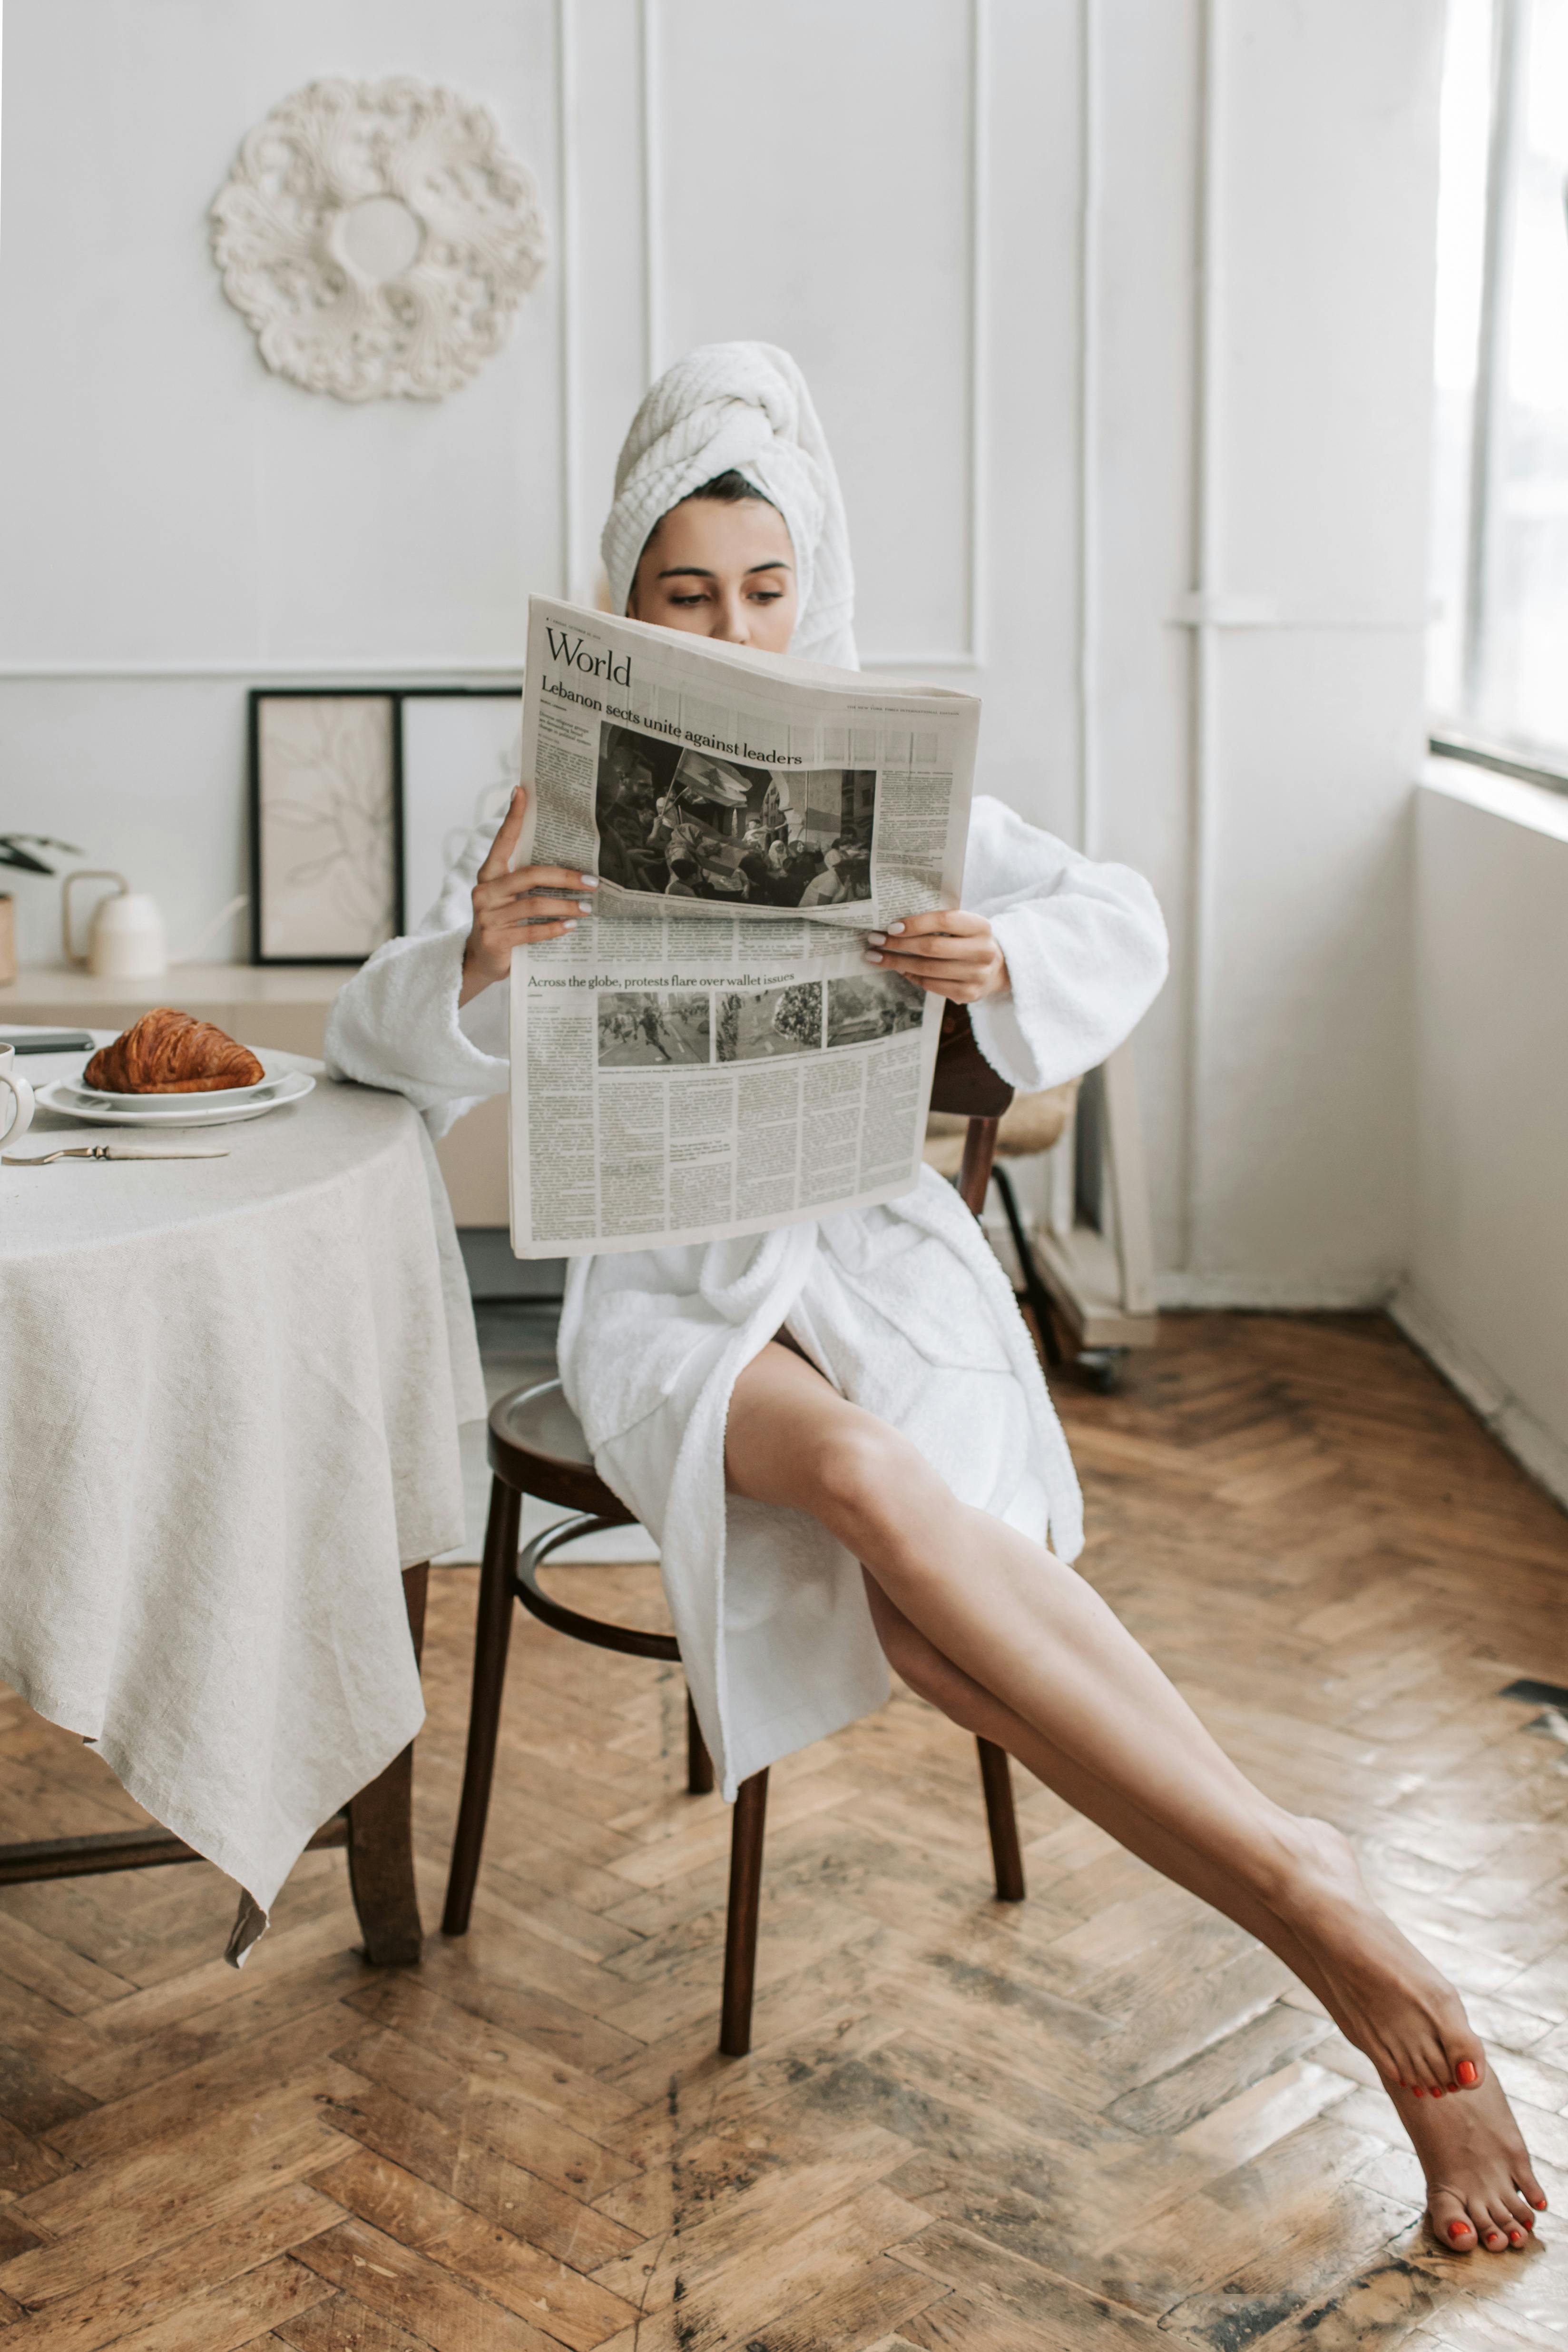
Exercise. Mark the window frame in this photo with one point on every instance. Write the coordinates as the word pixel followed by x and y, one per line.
pixel 1450 737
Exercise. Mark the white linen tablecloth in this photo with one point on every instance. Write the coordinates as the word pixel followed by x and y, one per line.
pixel 230 1392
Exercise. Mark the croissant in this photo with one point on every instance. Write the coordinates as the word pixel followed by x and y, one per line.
pixel 170 1053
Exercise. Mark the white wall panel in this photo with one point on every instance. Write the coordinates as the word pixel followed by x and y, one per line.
pixel 174 500
pixel 1302 1153
pixel 1031 442
pixel 1329 165
pixel 606 288
pixel 1140 519
pixel 815 180
pixel 1313 375
pixel 146 777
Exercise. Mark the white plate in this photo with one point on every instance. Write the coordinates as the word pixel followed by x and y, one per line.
pixel 111 1101
pixel 176 1106
pixel 71 1102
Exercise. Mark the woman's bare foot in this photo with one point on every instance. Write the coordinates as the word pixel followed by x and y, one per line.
pixel 1389 2000
pixel 1480 2190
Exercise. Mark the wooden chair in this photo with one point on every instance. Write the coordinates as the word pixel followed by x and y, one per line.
pixel 537 1447
pixel 1032 1124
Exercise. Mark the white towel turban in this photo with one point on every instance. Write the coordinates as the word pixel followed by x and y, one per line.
pixel 745 407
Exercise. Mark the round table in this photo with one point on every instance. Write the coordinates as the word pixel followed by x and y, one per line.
pixel 230 1392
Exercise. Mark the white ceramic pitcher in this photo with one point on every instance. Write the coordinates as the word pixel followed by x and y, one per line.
pixel 20 1116
pixel 127 939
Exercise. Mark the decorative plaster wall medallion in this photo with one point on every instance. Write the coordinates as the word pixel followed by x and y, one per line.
pixel 378 237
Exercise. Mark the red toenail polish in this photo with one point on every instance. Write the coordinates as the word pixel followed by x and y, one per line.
pixel 1468 2072
pixel 1516 2237
pixel 1459 2229
pixel 1416 2091
pixel 1433 2093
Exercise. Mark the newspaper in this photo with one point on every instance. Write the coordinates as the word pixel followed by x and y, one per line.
pixel 709 1053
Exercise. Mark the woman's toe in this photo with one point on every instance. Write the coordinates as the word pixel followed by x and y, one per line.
pixel 1502 2218
pixel 1465 2057
pixel 1518 2210
pixel 1451 2225
pixel 1430 2068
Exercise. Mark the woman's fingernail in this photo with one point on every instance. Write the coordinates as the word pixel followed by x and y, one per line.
pixel 571 924
pixel 590 881
pixel 876 938
pixel 1468 2072
pixel 585 905
pixel 895 927
pixel 870 957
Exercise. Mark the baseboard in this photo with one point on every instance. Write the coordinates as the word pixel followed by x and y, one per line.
pixel 1538 1449
pixel 1279 1294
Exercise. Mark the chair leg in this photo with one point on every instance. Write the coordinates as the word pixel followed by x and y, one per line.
pixel 996 1779
pixel 380 1836
pixel 744 1900
pixel 1034 1289
pixel 492 1634
pixel 699 1763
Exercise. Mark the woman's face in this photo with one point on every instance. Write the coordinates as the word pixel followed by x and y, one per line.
pixel 719 571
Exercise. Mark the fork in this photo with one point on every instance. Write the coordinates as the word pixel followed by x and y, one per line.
pixel 103 1151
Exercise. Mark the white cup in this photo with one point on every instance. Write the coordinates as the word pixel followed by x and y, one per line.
pixel 21 1117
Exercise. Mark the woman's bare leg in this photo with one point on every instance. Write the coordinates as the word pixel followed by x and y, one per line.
pixel 1023 1627
pixel 1479 2175
pixel 1028 1632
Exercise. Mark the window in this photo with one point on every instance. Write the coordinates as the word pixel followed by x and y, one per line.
pixel 1499 632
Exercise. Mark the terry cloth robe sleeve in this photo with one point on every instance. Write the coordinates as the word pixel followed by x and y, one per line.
pixel 1085 945
pixel 398 1023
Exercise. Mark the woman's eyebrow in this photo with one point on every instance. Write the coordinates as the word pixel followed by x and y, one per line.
pixel 700 572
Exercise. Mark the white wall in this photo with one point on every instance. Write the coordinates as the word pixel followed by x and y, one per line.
pixel 1488 1290
pixel 1105 303
pixel 1279 739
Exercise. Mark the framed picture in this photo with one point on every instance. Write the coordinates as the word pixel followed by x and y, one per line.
pixel 326 825
pixel 461 754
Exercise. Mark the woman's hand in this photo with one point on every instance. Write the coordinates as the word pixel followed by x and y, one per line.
pixel 950 952
pixel 506 915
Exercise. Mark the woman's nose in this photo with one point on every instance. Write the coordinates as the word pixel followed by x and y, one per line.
pixel 733 629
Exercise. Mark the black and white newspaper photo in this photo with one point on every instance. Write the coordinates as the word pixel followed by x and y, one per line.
pixel 707 1054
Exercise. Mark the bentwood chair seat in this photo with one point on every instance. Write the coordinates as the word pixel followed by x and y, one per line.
pixel 537 1447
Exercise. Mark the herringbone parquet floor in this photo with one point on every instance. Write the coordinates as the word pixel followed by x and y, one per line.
pixel 1101 2120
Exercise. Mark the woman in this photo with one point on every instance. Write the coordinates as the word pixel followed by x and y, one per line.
pixel 839 1432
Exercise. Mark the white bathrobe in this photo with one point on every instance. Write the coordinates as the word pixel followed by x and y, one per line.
pixel 903 1308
